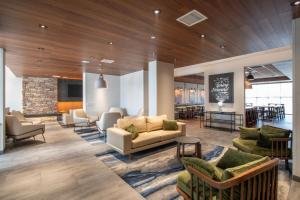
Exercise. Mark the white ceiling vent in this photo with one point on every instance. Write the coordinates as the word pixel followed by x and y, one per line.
pixel 191 18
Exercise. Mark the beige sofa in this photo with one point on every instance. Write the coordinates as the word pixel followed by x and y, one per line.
pixel 151 134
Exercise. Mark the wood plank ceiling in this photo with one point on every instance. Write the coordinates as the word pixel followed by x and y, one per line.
pixel 82 29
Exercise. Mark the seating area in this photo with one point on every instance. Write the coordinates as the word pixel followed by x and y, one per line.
pixel 189 111
pixel 266 141
pixel 236 175
pixel 152 132
pixel 150 100
pixel 20 128
pixel 272 112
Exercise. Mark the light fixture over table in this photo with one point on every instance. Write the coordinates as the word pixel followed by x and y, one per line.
pixel 250 76
pixel 100 82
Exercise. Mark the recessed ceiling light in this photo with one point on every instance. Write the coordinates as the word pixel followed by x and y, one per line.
pixel 156 11
pixel 222 46
pixel 107 61
pixel 110 43
pixel 152 37
pixel 56 76
pixel 43 26
pixel 296 3
pixel 203 35
pixel 85 61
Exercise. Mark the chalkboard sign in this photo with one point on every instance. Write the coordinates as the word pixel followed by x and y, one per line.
pixel 221 88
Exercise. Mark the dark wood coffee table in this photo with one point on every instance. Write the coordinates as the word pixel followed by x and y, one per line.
pixel 185 140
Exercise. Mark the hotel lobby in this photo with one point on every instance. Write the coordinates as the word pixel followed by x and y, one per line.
pixel 156 100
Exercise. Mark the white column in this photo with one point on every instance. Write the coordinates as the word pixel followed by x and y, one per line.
pixel 2 101
pixel 296 98
pixel 161 88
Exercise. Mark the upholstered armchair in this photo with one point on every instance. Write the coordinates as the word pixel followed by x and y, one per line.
pixel 22 119
pixel 67 118
pixel 81 119
pixel 266 141
pixel 122 111
pixel 237 175
pixel 107 120
pixel 140 113
pixel 19 131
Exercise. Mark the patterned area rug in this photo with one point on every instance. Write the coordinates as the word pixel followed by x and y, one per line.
pixel 151 172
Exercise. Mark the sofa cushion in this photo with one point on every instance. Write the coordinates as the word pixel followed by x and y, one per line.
pixel 268 132
pixel 146 138
pixel 250 146
pixel 155 122
pixel 202 166
pixel 235 171
pixel 170 125
pixel 233 158
pixel 138 122
pixel 133 130
pixel 249 133
pixel 167 135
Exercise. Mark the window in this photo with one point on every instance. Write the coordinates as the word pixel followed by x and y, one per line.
pixel 277 93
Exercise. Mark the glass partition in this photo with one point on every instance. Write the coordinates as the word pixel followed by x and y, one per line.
pixel 189 93
pixel 272 93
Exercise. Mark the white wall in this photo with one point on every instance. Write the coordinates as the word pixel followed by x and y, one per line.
pixel 96 101
pixel 13 90
pixel 152 85
pixel 134 92
pixel 161 88
pixel 296 98
pixel 2 101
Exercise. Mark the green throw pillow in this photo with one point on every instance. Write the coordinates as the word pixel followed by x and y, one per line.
pixel 133 130
pixel 235 171
pixel 170 125
pixel 268 132
pixel 203 166
pixel 233 158
pixel 249 133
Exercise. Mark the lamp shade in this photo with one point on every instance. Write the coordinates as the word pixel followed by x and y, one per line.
pixel 100 82
pixel 250 77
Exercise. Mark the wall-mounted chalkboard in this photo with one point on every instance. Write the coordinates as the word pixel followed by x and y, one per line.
pixel 221 88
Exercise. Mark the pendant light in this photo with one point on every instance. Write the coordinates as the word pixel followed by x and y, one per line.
pixel 100 82
pixel 250 76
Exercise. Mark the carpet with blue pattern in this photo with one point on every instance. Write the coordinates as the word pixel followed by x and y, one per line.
pixel 152 172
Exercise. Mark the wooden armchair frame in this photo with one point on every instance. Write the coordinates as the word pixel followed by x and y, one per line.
pixel 279 149
pixel 261 182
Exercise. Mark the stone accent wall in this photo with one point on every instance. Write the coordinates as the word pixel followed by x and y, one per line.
pixel 39 95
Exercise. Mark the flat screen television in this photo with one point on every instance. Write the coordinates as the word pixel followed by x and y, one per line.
pixel 69 90
pixel 74 90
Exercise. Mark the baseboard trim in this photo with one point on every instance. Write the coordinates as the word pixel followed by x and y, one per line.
pixel 296 178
